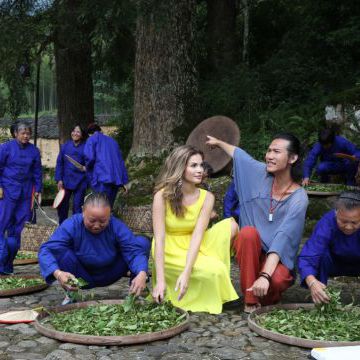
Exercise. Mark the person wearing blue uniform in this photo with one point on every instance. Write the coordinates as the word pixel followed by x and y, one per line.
pixel 231 203
pixel 326 149
pixel 20 173
pixel 96 247
pixel 333 248
pixel 68 176
pixel 104 164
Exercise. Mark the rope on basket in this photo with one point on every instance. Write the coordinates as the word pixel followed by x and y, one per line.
pixel 45 214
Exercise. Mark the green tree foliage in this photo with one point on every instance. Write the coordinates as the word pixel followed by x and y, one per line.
pixel 24 34
pixel 302 55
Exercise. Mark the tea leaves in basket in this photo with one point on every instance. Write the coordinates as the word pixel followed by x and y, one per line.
pixel 10 283
pixel 117 320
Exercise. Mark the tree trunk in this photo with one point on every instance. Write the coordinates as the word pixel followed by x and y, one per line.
pixel 165 75
pixel 221 22
pixel 246 10
pixel 75 101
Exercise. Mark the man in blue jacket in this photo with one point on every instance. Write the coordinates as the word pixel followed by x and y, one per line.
pixel 327 148
pixel 20 173
pixel 104 163
pixel 96 247
pixel 333 248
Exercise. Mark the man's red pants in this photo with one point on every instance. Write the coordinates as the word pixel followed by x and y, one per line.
pixel 251 260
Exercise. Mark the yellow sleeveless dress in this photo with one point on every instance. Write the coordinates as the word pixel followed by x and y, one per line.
pixel 210 284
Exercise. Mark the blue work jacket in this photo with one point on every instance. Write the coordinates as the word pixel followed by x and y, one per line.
pixel 20 169
pixel 340 145
pixel 104 161
pixel 328 238
pixel 65 171
pixel 95 251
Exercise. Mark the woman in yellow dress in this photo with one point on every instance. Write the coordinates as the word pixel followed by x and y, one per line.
pixel 192 264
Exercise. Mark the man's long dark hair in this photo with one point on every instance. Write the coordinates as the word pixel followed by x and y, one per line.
pixel 294 148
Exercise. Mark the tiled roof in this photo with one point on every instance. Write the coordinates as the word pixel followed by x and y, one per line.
pixel 48 127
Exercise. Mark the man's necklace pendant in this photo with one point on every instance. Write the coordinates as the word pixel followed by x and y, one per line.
pixel 270 217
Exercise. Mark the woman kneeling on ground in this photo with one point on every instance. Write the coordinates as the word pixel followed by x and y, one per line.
pixel 333 248
pixel 272 216
pixel 192 264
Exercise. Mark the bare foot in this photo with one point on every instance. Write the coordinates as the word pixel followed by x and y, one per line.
pixel 249 308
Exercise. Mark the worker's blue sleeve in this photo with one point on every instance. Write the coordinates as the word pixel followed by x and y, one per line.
pixel 311 160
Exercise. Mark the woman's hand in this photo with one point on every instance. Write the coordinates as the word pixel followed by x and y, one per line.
pixel 138 284
pixel 158 293
pixel 60 185
pixel 318 294
pixel 305 182
pixel 63 277
pixel 182 284
pixel 260 287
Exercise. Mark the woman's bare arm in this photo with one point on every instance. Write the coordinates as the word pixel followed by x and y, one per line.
pixel 158 214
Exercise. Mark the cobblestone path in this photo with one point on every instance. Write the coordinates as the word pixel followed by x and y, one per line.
pixel 210 337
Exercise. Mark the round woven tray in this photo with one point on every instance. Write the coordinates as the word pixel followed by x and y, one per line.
pixel 104 340
pixel 220 127
pixel 291 340
pixel 26 261
pixel 323 193
pixel 26 290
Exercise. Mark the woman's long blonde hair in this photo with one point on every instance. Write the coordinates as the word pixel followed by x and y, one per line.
pixel 171 176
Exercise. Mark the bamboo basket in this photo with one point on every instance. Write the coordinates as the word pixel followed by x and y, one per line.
pixel 49 331
pixel 25 290
pixel 287 339
pixel 138 218
pixel 34 235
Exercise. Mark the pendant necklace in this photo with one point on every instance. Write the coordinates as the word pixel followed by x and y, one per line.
pixel 273 207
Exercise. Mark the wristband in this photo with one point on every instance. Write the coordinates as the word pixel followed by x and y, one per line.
pixel 266 276
pixel 312 283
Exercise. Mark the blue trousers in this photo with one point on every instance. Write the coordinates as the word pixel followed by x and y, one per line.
pixel 109 189
pixel 331 266
pixel 13 214
pixel 78 201
pixel 347 168
pixel 68 261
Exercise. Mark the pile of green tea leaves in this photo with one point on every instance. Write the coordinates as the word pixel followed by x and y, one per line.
pixel 327 187
pixel 78 294
pixel 24 255
pixel 129 318
pixel 329 322
pixel 10 283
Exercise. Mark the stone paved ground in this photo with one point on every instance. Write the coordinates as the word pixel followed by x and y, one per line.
pixel 210 337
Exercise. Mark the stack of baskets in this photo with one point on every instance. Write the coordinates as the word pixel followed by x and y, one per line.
pixel 33 235
pixel 138 218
